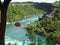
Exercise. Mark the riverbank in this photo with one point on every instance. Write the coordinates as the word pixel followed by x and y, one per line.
pixel 26 17
pixel 9 22
pixel 50 14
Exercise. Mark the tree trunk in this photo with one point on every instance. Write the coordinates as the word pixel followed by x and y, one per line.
pixel 4 8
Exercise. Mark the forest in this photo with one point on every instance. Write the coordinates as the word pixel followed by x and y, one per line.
pixel 47 27
pixel 19 10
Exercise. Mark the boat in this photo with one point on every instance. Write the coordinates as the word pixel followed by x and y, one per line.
pixel 17 24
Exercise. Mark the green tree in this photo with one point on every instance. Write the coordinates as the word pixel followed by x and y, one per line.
pixel 9 44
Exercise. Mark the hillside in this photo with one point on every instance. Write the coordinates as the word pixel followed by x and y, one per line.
pixel 47 27
pixel 57 14
pixel 18 10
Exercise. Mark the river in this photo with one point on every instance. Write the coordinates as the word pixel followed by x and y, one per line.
pixel 18 34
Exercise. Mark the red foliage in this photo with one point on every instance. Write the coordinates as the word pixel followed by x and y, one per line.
pixel 58 40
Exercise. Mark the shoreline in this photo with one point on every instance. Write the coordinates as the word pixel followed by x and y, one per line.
pixel 9 22
pixel 23 18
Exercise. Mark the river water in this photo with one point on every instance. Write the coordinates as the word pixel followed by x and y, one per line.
pixel 18 34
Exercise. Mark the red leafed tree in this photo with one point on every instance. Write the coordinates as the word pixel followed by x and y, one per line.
pixel 3 9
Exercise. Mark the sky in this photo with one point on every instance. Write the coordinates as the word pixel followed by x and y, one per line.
pixel 48 1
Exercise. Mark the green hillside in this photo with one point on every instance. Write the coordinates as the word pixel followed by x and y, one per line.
pixel 48 27
pixel 57 5
pixel 20 10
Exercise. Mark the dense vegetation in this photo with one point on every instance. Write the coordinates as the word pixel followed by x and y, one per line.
pixel 21 10
pixel 48 27
pixel 18 10
pixel 57 5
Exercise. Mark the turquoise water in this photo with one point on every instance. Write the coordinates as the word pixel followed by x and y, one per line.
pixel 18 34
